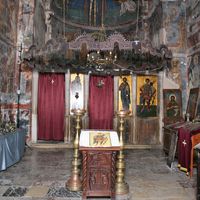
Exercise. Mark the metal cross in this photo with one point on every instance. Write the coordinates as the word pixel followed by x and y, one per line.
pixel 52 81
pixel 184 143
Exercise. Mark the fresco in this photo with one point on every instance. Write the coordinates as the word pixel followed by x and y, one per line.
pixel 40 27
pixel 175 72
pixel 26 82
pixel 8 17
pixel 90 12
pixel 8 27
pixel 174 23
pixel 88 16
pixel 8 69
pixel 193 61
pixel 174 16
pixel 194 71
pixel 25 116
pixel 155 25
pixel 8 30
pixel 184 81
pixel 25 30
pixel 25 38
pixel 9 115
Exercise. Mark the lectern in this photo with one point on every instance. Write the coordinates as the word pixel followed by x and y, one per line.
pixel 99 149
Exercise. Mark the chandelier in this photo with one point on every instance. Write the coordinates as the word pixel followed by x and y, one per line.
pixel 100 59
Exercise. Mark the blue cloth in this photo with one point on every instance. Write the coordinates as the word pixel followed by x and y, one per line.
pixel 11 148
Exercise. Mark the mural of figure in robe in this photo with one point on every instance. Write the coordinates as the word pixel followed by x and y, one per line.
pixel 124 88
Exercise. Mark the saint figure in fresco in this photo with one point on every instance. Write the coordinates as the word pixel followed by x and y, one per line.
pixel 124 88
pixel 147 94
pixel 173 109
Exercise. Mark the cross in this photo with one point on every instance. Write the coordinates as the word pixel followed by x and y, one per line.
pixel 52 81
pixel 184 143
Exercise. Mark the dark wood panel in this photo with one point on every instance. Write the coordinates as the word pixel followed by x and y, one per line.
pixel 166 140
pixel 99 174
pixel 147 131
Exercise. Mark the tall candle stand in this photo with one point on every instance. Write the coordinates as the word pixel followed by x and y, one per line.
pixel 121 187
pixel 74 182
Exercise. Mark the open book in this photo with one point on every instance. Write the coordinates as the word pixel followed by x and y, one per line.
pixel 99 138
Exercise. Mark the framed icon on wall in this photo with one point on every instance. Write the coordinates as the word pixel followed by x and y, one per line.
pixel 192 106
pixel 125 93
pixel 172 101
pixel 147 88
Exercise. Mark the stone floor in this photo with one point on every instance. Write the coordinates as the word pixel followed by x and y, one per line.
pixel 42 173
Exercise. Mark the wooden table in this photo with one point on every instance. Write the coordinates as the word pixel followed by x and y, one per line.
pixel 99 171
pixel 186 135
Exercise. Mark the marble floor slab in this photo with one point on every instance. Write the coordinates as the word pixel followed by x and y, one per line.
pixel 42 173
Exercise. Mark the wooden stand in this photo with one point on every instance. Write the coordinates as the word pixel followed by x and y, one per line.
pixel 99 171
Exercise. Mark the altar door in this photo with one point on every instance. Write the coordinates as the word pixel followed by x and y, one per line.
pixel 101 102
pixel 51 106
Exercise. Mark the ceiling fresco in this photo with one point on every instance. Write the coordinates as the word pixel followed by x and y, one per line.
pixel 71 18
pixel 110 13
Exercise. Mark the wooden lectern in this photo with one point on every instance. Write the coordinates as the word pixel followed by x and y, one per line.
pixel 99 149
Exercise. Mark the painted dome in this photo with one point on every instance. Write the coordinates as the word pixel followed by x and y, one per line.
pixel 95 13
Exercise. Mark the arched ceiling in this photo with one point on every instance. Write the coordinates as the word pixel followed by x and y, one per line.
pixel 113 14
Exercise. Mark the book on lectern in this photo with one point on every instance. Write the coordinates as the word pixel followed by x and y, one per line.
pixel 99 138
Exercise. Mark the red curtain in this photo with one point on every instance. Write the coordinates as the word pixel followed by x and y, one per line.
pixel 101 102
pixel 51 107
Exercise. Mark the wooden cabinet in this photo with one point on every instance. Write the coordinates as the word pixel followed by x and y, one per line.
pixel 99 172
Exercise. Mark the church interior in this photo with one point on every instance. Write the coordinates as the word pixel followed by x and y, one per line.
pixel 100 99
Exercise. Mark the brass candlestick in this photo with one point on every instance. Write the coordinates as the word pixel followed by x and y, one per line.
pixel 74 182
pixel 121 187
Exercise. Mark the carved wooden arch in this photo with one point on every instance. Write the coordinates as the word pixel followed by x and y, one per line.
pixel 105 45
